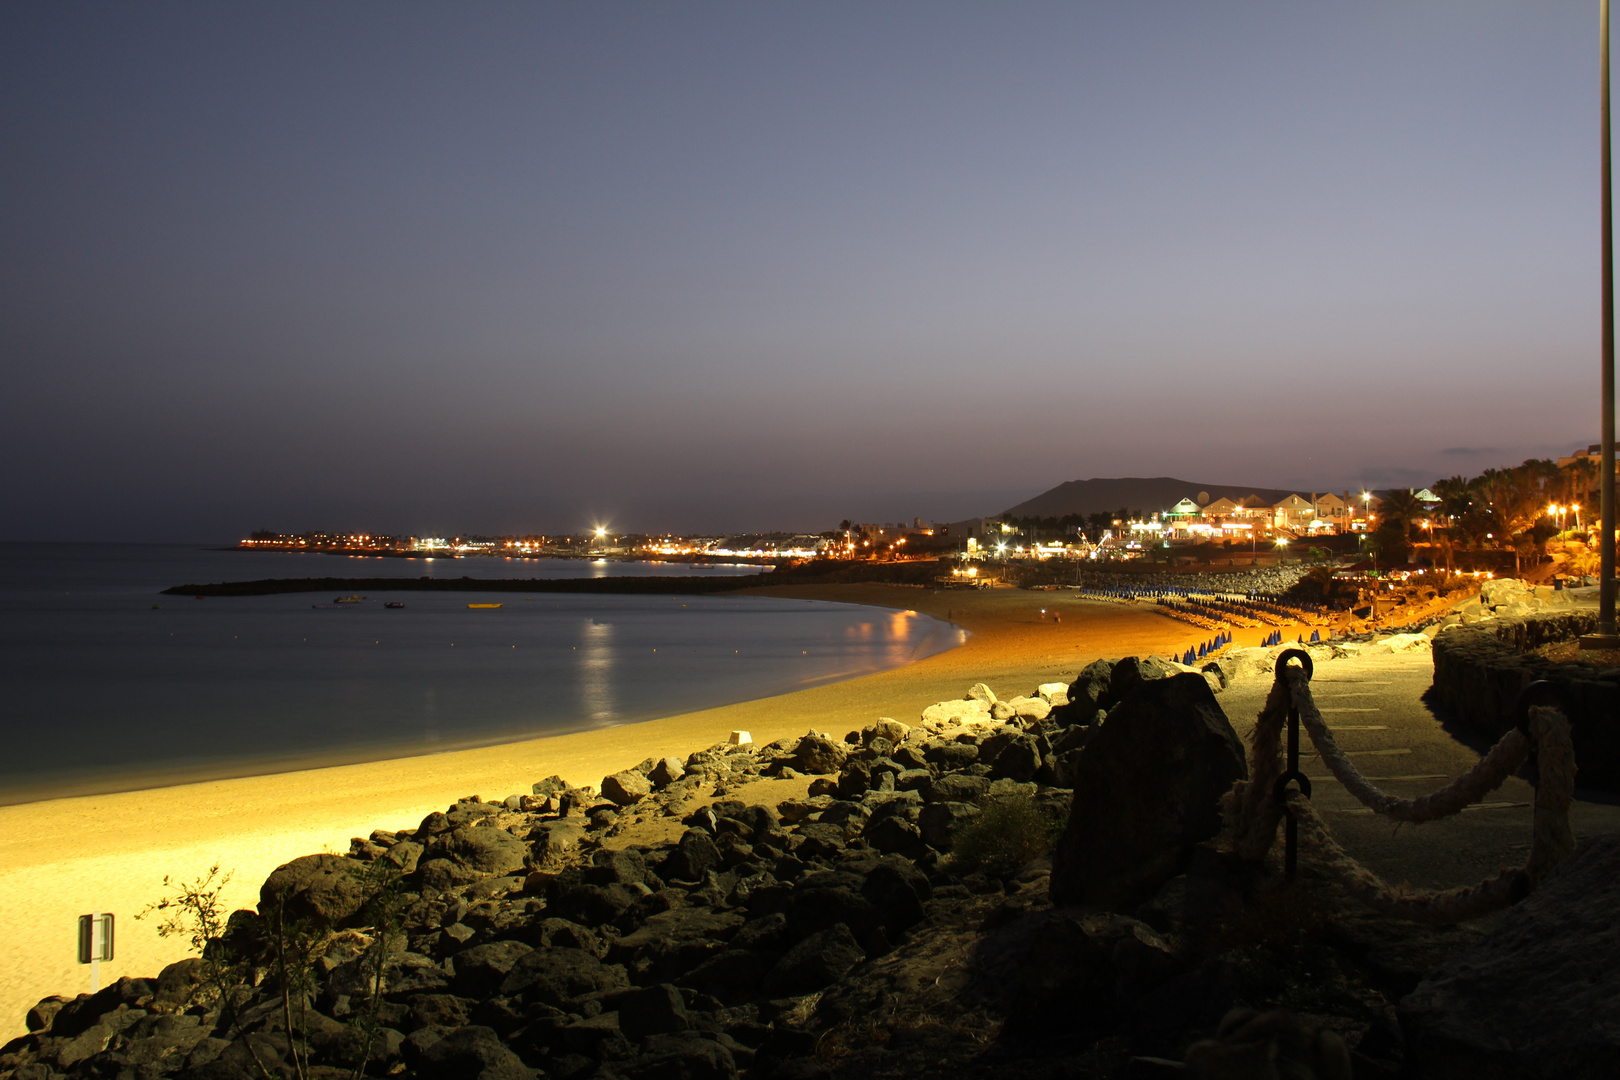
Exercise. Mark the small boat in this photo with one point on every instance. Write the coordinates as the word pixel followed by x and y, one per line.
pixel 353 599
pixel 394 603
pixel 483 605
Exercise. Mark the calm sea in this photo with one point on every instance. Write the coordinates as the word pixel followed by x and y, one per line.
pixel 108 685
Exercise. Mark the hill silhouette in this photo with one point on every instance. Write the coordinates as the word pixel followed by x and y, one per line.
pixel 1148 494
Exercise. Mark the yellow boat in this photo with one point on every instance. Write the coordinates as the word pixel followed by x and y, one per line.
pixel 483 605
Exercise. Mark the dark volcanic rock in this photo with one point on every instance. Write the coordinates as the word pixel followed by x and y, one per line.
pixel 1539 997
pixel 472 1053
pixel 939 821
pixel 655 1010
pixel 1088 694
pixel 483 849
pixel 673 942
pixel 679 1057
pixel 815 962
pixel 323 888
pixel 1146 791
pixel 818 754
pixel 694 855
pixel 553 976
pixel 481 969
pixel 956 788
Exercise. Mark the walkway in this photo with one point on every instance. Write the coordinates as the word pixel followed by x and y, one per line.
pixel 1376 709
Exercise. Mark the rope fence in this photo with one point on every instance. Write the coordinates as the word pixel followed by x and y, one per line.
pixel 1277 792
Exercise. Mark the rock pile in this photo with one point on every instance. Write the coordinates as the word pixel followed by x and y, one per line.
pixel 838 934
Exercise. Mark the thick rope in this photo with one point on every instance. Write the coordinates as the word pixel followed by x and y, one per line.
pixel 1253 814
pixel 1495 767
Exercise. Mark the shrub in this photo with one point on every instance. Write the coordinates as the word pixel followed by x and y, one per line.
pixel 1008 834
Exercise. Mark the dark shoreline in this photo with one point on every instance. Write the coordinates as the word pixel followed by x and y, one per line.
pixel 632 585
pixel 912 572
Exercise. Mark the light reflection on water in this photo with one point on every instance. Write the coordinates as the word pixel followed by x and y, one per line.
pixel 596 673
pixel 99 683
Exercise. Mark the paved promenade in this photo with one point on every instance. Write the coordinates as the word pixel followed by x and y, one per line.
pixel 1376 709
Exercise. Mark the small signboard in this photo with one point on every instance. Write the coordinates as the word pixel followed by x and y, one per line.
pixel 95 937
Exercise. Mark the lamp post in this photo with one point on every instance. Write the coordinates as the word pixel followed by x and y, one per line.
pixel 1605 638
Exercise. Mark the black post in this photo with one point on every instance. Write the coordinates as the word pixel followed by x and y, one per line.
pixel 1605 638
pixel 1291 774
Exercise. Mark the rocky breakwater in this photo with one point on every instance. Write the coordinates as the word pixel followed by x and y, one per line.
pixel 1483 658
pixel 888 917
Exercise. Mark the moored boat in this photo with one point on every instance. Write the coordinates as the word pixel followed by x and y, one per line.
pixel 351 599
pixel 394 603
pixel 483 605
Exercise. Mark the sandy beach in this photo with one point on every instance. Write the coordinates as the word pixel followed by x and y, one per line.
pixel 64 857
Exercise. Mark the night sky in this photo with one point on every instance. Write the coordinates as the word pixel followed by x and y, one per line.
pixel 426 268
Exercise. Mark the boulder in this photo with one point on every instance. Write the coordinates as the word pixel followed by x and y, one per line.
pixel 1147 790
pixel 555 975
pixel 946 714
pixel 1132 671
pixel 1053 693
pixel 666 771
pixel 939 821
pixel 1019 760
pixel 471 1053
pixel 1502 591
pixel 679 1056
pixel 1404 643
pixel 819 960
pixel 1026 708
pixel 818 754
pixel 955 788
pixel 550 841
pixel 694 854
pixel 626 788
pixel 1539 996
pixel 655 1010
pixel 886 728
pixel 325 889
pixel 951 756
pixel 673 942
pixel 482 849
pixel 982 694
pixel 1088 694
pixel 480 970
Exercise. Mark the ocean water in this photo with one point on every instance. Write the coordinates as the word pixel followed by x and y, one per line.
pixel 101 690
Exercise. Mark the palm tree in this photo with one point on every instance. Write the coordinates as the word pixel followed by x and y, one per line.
pixel 1456 495
pixel 1402 505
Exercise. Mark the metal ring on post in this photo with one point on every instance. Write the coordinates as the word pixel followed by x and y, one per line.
pixel 1301 655
pixel 1280 787
pixel 1540 692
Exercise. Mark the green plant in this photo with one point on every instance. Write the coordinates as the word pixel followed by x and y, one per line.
pixel 196 912
pixel 295 946
pixel 382 881
pixel 1007 834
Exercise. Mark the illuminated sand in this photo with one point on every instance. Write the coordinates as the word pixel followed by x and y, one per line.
pixel 60 858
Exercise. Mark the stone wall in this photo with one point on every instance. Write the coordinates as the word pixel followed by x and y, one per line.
pixel 1480 669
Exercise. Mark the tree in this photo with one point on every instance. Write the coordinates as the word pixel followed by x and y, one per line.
pixel 1401 505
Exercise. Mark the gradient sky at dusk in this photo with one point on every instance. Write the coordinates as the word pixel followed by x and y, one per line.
pixel 703 266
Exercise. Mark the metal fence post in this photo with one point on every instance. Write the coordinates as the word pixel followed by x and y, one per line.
pixel 1291 774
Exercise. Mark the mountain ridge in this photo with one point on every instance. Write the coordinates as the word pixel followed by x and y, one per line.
pixel 1146 493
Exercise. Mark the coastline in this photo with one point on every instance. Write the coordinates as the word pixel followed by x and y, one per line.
pixel 111 852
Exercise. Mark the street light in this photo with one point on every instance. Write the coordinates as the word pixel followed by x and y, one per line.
pixel 1606 638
